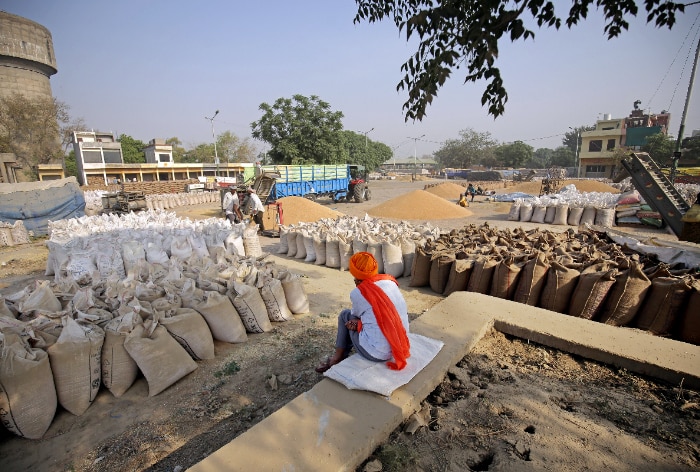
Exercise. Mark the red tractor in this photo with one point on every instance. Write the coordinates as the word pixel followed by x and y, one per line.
pixel 357 187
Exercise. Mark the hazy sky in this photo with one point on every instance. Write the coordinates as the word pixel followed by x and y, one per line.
pixel 156 69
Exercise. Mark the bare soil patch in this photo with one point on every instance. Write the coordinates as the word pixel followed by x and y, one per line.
pixel 247 382
pixel 514 405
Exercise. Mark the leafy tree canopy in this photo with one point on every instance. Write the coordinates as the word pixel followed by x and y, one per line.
pixel 470 148
pixel 29 128
pixel 132 150
pixel 572 138
pixel 358 149
pixel 454 34
pixel 660 148
pixel 540 159
pixel 513 154
pixel 563 157
pixel 301 130
pixel 231 148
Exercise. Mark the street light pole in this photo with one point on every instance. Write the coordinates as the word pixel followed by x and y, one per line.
pixel 216 154
pixel 578 164
pixel 415 155
pixel 366 133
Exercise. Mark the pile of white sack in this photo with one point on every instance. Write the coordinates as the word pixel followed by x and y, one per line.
pixel 569 207
pixel 165 201
pixel 332 242
pixel 12 234
pixel 146 293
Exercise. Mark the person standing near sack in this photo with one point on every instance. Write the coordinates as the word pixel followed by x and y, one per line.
pixel 256 206
pixel 377 324
pixel 231 206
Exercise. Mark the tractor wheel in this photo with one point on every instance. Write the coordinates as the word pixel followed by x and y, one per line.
pixel 368 194
pixel 358 192
pixel 310 196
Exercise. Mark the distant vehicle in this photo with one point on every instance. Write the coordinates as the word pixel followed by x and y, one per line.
pixel 123 202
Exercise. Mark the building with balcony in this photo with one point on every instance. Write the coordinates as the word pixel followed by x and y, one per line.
pixel 598 147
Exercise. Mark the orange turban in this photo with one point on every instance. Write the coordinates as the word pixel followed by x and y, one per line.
pixel 363 265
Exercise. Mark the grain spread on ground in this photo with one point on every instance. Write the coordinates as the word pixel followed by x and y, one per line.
pixel 447 190
pixel 298 209
pixel 419 205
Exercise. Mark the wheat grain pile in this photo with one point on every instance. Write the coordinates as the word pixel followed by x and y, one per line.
pixel 447 190
pixel 583 186
pixel 419 205
pixel 298 209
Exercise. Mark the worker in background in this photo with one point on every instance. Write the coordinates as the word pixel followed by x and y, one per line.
pixel 471 191
pixel 463 202
pixel 231 206
pixel 256 206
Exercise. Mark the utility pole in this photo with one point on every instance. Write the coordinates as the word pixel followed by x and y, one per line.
pixel 216 154
pixel 415 156
pixel 679 142
pixel 578 164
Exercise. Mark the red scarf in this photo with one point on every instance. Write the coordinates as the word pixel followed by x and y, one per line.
pixel 388 319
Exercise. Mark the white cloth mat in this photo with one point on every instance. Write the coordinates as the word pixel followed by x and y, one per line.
pixel 358 373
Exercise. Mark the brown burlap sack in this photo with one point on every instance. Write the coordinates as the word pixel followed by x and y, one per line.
pixel 482 274
pixel 532 280
pixel 626 296
pixel 189 328
pixel 275 301
pixel 161 359
pixel 119 370
pixel 294 293
pixel 560 284
pixel 440 268
pixel 28 396
pixel 505 279
pixel 420 271
pixel 689 324
pixel 663 304
pixel 76 364
pixel 221 317
pixel 251 308
pixel 590 293
pixel 459 276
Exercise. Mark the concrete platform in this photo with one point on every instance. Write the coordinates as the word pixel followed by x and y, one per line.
pixel 330 428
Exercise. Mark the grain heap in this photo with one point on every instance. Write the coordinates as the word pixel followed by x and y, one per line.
pixel 446 190
pixel 583 274
pixel 419 205
pixel 145 292
pixel 296 210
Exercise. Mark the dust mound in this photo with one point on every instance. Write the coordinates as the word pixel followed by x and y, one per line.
pixel 419 205
pixel 447 190
pixel 298 209
pixel 583 186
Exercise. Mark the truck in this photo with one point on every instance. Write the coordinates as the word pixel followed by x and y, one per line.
pixel 341 182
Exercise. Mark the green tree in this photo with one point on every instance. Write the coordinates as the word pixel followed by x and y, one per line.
pixel 470 148
pixel 202 153
pixel 691 149
pixel 563 156
pixel 358 149
pixel 301 130
pixel 540 159
pixel 29 128
pixel 132 150
pixel 513 154
pixel 572 139
pixel 454 34
pixel 660 148
pixel 69 165
pixel 231 148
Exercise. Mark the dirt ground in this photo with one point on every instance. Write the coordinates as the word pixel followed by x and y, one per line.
pixel 509 405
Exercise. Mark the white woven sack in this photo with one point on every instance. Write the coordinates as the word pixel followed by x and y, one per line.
pixel 250 307
pixel 155 253
pixel 408 252
pixel 605 217
pixel 41 299
pixel 251 245
pixel 562 215
pixel 190 329
pixel 6 237
pixel 80 264
pixel 526 212
pixel 234 245
pixel 588 216
pixel 514 212
pixel 297 300
pixel 538 213
pixel 180 247
pixel 392 259
pixel 375 248
pixel 320 249
pixel 332 253
pixel 222 318
pixel 76 364
pixel 119 370
pixel 28 397
pixel 309 247
pixel 275 301
pixel 292 243
pixel 301 247
pixel 345 250
pixel 575 214
pixel 132 252
pixel 283 246
pixel 161 359
pixel 358 245
pixel 19 233
pixel 198 244
pixel 550 215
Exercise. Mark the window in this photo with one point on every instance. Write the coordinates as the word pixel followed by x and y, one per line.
pixel 92 157
pixel 611 144
pixel 595 145
pixel 164 157
pixel 595 169
pixel 112 156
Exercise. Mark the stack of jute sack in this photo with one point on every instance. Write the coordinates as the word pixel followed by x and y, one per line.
pixel 578 273
pixel 151 295
pixel 331 242
pixel 569 207
pixel 165 201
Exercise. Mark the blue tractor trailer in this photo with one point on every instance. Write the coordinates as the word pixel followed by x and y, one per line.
pixel 340 182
